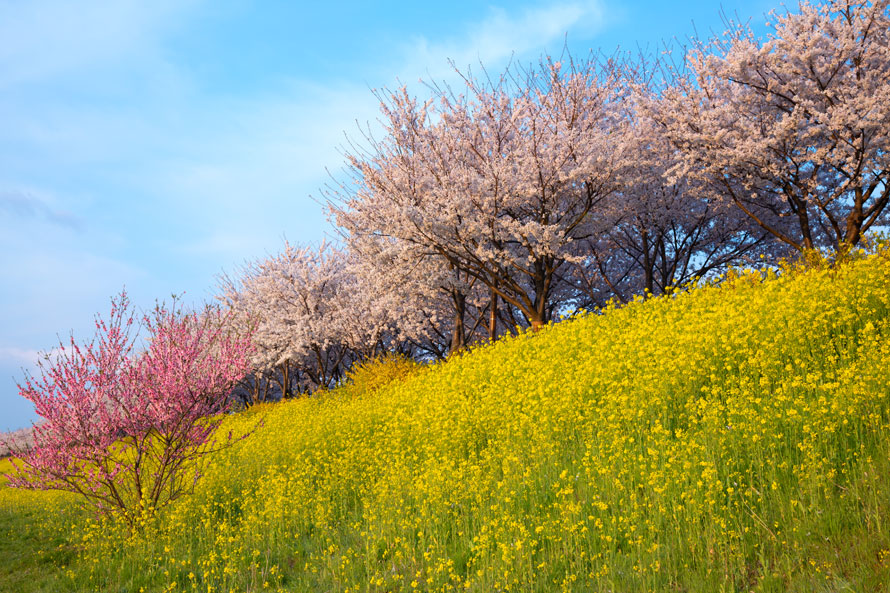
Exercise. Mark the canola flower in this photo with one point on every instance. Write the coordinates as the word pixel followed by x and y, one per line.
pixel 725 438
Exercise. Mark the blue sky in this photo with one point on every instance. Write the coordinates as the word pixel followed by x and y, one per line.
pixel 154 145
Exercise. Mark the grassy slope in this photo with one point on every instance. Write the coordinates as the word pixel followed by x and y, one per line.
pixel 33 538
pixel 733 438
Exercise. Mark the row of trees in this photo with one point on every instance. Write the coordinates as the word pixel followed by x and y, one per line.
pixel 567 184
pixel 497 206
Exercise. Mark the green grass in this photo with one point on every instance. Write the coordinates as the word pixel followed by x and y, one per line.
pixel 35 542
pixel 33 555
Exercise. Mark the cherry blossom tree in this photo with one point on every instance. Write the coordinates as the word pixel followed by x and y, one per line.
pixel 125 428
pixel 497 182
pixel 434 307
pixel 794 128
pixel 310 314
pixel 662 231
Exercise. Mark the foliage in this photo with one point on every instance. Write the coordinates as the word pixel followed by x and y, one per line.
pixel 126 429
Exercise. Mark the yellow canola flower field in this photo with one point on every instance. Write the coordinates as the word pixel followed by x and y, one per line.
pixel 733 437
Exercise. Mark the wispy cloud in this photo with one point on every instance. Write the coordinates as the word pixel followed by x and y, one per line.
pixel 27 205
pixel 277 148
pixel 238 170
pixel 22 357
pixel 504 34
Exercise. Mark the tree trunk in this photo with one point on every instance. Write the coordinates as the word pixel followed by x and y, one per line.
pixel 265 395
pixel 648 273
pixel 458 339
pixel 542 279
pixel 853 230
pixel 285 380
pixel 493 316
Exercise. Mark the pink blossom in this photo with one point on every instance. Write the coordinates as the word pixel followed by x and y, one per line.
pixel 126 428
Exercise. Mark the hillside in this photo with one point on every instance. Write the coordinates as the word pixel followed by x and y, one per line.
pixel 734 437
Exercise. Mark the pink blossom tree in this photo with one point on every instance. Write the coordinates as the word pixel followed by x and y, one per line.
pixel 794 128
pixel 127 429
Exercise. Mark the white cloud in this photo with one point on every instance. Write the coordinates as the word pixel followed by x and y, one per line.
pixel 245 182
pixel 53 283
pixel 22 357
pixel 265 145
pixel 502 35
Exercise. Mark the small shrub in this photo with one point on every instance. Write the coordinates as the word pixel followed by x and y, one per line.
pixel 368 376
